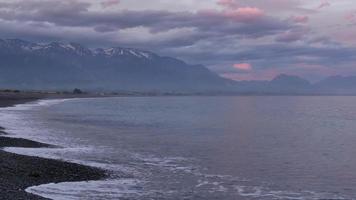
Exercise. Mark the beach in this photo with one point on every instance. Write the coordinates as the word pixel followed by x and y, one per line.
pixel 18 172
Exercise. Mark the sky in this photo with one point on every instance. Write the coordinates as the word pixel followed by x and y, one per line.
pixel 239 39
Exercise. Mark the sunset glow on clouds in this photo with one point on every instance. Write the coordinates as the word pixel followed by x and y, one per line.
pixel 243 66
pixel 245 14
pixel 272 35
pixel 300 19
pixel 351 17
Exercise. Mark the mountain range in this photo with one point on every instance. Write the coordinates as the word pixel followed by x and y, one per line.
pixel 289 84
pixel 63 66
pixel 55 65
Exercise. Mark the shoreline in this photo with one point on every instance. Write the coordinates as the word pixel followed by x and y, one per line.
pixel 18 172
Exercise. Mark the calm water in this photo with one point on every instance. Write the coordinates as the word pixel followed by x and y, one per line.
pixel 197 147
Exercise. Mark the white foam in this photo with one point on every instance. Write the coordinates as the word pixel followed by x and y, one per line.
pixel 20 121
pixel 257 192
pixel 171 163
pixel 113 189
pixel 106 189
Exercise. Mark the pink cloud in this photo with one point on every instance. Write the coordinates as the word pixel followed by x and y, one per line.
pixel 324 4
pixel 109 3
pixel 300 19
pixel 269 5
pixel 267 74
pixel 243 66
pixel 304 70
pixel 245 14
pixel 233 11
pixel 242 14
pixel 227 3
pixel 351 17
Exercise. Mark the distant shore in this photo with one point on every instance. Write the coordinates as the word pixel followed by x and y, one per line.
pixel 18 172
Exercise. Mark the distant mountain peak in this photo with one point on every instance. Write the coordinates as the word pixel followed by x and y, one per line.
pixel 286 76
pixel 338 82
pixel 290 79
pixel 120 51
pixel 340 77
pixel 290 83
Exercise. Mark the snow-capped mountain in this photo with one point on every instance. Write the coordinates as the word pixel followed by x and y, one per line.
pixel 55 65
pixel 74 48
pixel 58 65
pixel 118 52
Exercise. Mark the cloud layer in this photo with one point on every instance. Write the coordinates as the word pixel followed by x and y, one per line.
pixel 229 36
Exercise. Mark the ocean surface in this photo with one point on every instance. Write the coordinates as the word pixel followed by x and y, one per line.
pixel 227 148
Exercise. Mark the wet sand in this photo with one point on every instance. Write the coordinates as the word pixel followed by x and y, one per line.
pixel 18 172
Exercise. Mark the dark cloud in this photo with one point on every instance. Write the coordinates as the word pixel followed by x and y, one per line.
pixel 292 35
pixel 219 38
pixel 74 20
pixel 76 14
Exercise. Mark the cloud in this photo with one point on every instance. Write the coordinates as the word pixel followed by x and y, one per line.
pixel 351 17
pixel 268 34
pixel 244 21
pixel 292 35
pixel 227 3
pixel 281 57
pixel 323 4
pixel 43 7
pixel 270 6
pixel 245 14
pixel 243 66
pixel 261 75
pixel 302 19
pixel 109 3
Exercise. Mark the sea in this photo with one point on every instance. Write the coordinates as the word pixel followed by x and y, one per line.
pixel 195 147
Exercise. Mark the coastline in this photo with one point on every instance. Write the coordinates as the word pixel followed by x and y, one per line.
pixel 18 172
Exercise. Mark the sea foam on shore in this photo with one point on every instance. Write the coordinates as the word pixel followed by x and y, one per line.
pixel 157 148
